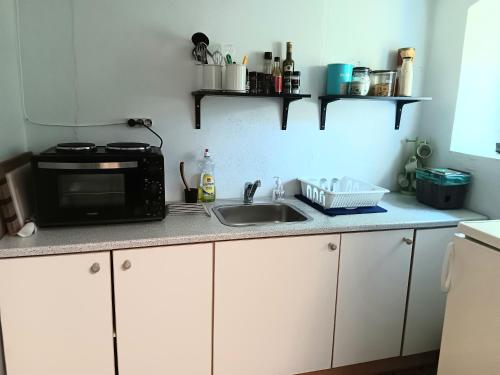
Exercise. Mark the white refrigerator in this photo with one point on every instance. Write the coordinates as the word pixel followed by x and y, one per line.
pixel 471 278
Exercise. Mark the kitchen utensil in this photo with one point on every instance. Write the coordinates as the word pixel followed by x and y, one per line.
pixel 229 59
pixel 200 53
pixel 217 58
pixel 183 177
pixel 197 57
pixel 245 60
pixel 201 43
pixel 200 37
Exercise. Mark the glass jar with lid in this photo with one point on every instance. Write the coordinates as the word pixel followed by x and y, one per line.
pixel 382 82
pixel 296 82
pixel 360 83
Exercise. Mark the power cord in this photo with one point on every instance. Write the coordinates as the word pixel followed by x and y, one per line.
pixel 146 123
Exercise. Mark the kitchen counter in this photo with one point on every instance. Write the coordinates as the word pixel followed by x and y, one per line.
pixel 402 212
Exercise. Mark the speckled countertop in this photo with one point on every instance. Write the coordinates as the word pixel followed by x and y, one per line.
pixel 402 212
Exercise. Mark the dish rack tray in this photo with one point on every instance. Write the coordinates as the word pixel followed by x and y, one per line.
pixel 342 192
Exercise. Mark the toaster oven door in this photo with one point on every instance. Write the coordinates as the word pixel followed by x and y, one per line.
pixel 87 193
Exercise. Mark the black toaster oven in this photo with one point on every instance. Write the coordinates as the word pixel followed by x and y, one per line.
pixel 96 185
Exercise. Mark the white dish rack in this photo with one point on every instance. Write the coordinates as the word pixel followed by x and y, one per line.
pixel 342 192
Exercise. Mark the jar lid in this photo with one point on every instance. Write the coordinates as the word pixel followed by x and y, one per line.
pixel 296 73
pixel 383 71
pixel 361 69
pixel 277 59
pixel 268 55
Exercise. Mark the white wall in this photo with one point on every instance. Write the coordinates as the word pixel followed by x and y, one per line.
pixel 12 134
pixel 442 81
pixel 133 59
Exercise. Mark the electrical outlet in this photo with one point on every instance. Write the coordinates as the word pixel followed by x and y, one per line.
pixel 133 122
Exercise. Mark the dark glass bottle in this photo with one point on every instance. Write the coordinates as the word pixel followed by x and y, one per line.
pixel 268 73
pixel 288 64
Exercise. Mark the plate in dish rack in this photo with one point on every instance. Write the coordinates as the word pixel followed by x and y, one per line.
pixel 344 192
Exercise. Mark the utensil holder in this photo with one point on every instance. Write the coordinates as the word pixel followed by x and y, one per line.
pixel 236 78
pixel 211 77
pixel 191 195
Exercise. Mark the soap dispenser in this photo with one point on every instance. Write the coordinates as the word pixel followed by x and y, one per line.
pixel 278 191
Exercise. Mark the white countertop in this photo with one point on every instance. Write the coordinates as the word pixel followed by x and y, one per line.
pixel 487 232
pixel 402 212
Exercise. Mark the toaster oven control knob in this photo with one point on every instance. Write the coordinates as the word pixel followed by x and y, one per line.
pixel 153 188
pixel 155 209
pixel 154 170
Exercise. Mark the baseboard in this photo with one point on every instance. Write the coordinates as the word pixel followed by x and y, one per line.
pixel 384 365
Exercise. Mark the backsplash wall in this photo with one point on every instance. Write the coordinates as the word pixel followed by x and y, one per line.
pixel 144 69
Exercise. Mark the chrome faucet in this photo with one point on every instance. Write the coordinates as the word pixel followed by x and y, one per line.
pixel 250 191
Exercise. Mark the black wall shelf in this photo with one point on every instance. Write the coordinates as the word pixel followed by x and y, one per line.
pixel 400 102
pixel 287 99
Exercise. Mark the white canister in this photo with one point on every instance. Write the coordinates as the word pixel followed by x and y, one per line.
pixel 236 78
pixel 406 78
pixel 211 77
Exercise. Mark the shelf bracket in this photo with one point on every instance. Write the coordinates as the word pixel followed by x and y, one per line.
pixel 197 109
pixel 286 104
pixel 399 110
pixel 324 105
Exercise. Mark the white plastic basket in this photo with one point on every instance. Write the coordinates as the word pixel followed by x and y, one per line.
pixel 342 192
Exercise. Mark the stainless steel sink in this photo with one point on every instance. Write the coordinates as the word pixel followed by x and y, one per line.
pixel 259 214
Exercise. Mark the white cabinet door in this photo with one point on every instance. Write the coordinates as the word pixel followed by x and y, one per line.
pixel 471 332
pixel 56 315
pixel 163 304
pixel 426 301
pixel 274 305
pixel 373 282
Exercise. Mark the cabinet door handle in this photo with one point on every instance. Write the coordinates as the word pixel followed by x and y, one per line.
pixel 408 241
pixel 447 268
pixel 332 246
pixel 94 268
pixel 126 265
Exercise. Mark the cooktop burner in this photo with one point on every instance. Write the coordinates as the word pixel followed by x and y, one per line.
pixel 128 146
pixel 76 147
